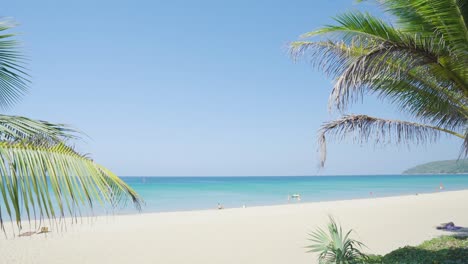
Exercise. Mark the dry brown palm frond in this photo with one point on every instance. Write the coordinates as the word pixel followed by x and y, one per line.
pixel 363 128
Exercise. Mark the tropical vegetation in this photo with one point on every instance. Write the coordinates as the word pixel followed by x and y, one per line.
pixel 440 250
pixel 417 61
pixel 335 246
pixel 444 166
pixel 41 175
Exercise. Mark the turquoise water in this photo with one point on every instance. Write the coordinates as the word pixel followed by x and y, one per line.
pixel 192 193
pixel 163 194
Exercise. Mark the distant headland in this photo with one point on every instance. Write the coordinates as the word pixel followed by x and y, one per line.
pixel 440 167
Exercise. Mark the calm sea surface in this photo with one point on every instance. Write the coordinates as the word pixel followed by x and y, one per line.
pixel 191 193
pixel 163 194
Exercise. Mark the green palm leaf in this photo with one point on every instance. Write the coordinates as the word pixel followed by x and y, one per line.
pixel 40 176
pixel 421 66
pixel 18 128
pixel 360 24
pixel 445 17
pixel 50 182
pixel 13 77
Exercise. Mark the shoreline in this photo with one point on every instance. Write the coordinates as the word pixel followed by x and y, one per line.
pixel 292 204
pixel 272 206
pixel 286 204
pixel 264 234
pixel 204 193
pixel 279 176
pixel 7 222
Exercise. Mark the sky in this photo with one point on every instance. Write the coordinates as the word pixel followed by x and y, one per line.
pixel 195 88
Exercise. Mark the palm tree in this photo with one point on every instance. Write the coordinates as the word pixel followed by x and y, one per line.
pixel 420 65
pixel 41 177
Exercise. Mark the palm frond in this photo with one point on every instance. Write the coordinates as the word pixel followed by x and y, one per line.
pixel 382 61
pixel 23 129
pixel 464 148
pixel 419 66
pixel 445 20
pixel 422 98
pixel 50 182
pixel 389 72
pixel 363 128
pixel 331 57
pixel 13 77
pixel 407 17
pixel 463 6
pixel 40 176
pixel 358 24
pixel 445 16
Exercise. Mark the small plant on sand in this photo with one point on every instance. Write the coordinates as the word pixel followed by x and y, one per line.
pixel 335 246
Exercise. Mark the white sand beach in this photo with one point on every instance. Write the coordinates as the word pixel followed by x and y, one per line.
pixel 256 235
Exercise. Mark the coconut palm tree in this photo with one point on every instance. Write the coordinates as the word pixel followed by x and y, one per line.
pixel 419 63
pixel 41 177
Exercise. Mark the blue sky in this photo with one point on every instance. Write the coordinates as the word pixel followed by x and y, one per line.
pixel 194 87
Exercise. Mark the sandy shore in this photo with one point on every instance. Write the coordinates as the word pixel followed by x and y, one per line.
pixel 270 234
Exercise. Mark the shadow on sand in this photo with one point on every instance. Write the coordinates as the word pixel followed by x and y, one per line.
pixel 461 233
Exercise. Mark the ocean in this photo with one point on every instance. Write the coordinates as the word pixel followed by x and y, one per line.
pixel 163 194
pixel 169 194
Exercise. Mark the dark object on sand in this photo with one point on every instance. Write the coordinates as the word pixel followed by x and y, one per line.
pixel 43 230
pixel 450 226
pixel 29 233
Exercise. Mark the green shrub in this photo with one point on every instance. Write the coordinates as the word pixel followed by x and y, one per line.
pixel 335 247
pixel 442 250
pixel 373 259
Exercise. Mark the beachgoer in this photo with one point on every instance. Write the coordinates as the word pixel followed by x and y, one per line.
pixel 295 196
pixel 220 206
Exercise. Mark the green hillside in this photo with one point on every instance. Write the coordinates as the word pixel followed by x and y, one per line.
pixel 445 166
